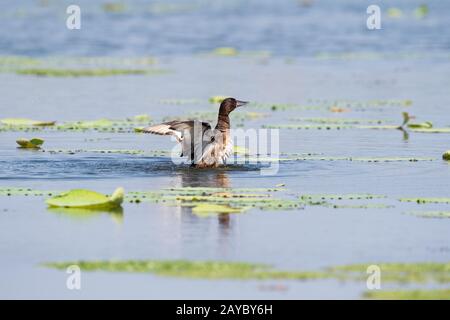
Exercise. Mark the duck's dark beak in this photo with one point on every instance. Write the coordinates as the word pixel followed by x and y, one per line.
pixel 241 103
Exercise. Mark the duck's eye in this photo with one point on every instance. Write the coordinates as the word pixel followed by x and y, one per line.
pixel 213 139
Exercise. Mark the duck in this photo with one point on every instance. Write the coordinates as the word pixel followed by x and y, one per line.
pixel 203 146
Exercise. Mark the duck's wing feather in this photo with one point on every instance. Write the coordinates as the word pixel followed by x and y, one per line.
pixel 176 128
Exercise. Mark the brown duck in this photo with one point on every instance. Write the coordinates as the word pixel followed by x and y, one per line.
pixel 205 148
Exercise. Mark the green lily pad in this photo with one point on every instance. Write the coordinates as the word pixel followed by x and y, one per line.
pixel 35 143
pixel 424 125
pixel 79 198
pixel 26 122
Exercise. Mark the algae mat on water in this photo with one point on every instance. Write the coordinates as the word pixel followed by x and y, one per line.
pixel 400 273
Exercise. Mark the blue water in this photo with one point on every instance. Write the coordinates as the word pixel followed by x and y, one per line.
pixel 284 27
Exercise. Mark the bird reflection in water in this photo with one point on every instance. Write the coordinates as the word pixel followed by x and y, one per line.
pixel 209 179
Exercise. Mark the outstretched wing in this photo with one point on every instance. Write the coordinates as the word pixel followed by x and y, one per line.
pixel 175 128
pixel 180 129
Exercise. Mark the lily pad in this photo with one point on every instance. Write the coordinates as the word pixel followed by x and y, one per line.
pixel 424 125
pixel 35 143
pixel 80 198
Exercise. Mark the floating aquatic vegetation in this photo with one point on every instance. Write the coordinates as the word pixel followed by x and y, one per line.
pixel 394 13
pixel 226 51
pixel 324 200
pixel 217 99
pixel 436 294
pixel 149 153
pixel 87 199
pixel 86 72
pixel 262 159
pixel 145 118
pixel 206 209
pixel 34 143
pixel 431 214
pixel 424 125
pixel 9 192
pixel 399 273
pixel 362 206
pixel 340 121
pixel 431 130
pixel 212 116
pixel 330 126
pixel 22 122
pixel 356 196
pixel 425 200
pixel 446 155
pixel 114 7
pixel 392 159
pixel 217 200
pixel 103 125
pixel 180 101
pixel 192 269
pixel 421 11
pixel 10 63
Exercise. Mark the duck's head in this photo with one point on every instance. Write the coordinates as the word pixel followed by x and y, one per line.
pixel 229 104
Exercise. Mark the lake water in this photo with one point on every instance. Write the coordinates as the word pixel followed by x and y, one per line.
pixel 289 53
